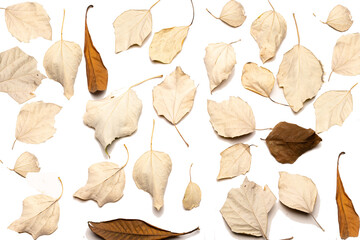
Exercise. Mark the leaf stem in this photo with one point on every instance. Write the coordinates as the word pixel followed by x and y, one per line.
pixel 235 41
pixel 339 157
pixel 212 14
pixel 283 104
pixel 62 26
pixel 297 29
pixel 330 76
pixel 190 171
pixel 137 84
pixel 253 145
pixel 181 136
pixel 263 129
pixel 152 134
pixel 319 19
pixel 62 190
pixel 90 6
pixel 154 5
pixel 271 6
pixel 353 87
pixel 12 148
pixel 317 222
pixel 194 230
pixel 193 8
pixel 127 160
pixel 2 8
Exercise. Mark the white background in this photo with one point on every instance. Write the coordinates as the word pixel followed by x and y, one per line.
pixel 74 148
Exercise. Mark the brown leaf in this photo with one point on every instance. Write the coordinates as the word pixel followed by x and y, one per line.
pixel 96 72
pixel 348 219
pixel 131 229
pixel 287 141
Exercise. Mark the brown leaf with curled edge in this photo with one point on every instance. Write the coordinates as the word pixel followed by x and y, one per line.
pixel 96 72
pixel 287 141
pixel 131 229
pixel 348 219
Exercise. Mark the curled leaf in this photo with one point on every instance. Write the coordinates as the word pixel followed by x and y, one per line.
pixel 257 79
pixel 96 72
pixel 339 18
pixel 233 14
pixel 27 162
pixel 192 196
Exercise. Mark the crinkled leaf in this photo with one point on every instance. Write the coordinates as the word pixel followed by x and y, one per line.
pixel 340 18
pixel 27 162
pixel 257 79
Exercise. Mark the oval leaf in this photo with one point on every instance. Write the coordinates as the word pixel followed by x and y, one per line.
pixel 192 196
pixel 339 18
pixel 27 162
pixel 233 14
pixel 257 79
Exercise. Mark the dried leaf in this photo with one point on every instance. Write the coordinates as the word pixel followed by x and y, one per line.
pixel 35 122
pixel 346 55
pixel 174 97
pixel 61 62
pixel 220 60
pixel 28 20
pixel 233 14
pixel 349 223
pixel 300 75
pixel 231 118
pixel 131 229
pixel 287 141
pixel 245 209
pixel 257 79
pixel 96 72
pixel 40 215
pixel 168 42
pixel 235 160
pixel 269 30
pixel 151 172
pixel 332 108
pixel 132 27
pixel 27 162
pixel 192 196
pixel 105 184
pixel 19 76
pixel 339 18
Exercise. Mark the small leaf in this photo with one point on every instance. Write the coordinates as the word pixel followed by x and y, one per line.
pixel 235 160
pixel 246 209
pixel 19 75
pixel 287 141
pixel 192 196
pixel 96 72
pixel 233 14
pixel 231 118
pixel 35 122
pixel 131 229
pixel 349 223
pixel 28 20
pixel 339 18
pixel 257 79
pixel 26 163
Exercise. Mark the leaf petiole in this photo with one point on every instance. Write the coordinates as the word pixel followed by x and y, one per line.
pixel 137 84
pixel 154 5
pixel 127 160
pixel 297 29
pixel 193 8
pixel 212 14
pixel 62 190
pixel 181 136
pixel 317 222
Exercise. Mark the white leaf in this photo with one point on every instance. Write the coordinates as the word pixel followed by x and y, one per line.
pixel 332 108
pixel 340 18
pixel 233 14
pixel 28 20
pixel 220 60
pixel 246 208
pixel 297 192
pixel 35 122
pixel 132 27
pixel 192 196
pixel 231 118
pixel 19 76
pixel 114 116
pixel 257 79
pixel 61 62
pixel 235 160
pixel 26 163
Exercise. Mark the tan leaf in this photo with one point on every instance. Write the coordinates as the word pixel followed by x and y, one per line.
pixel 257 79
pixel 151 172
pixel 332 108
pixel 220 60
pixel 269 30
pixel 61 62
pixel 346 55
pixel 131 229
pixel 105 184
pixel 96 72
pixel 27 162
pixel 174 97
pixel 349 223
pixel 231 118
pixel 246 208
pixel 339 18
pixel 35 122
pixel 40 216
pixel 233 14
pixel 28 20
pixel 235 160
pixel 300 75
pixel 287 142
pixel 19 76
pixel 192 196
pixel 132 27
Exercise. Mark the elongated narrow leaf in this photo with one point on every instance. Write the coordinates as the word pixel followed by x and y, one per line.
pixel 131 229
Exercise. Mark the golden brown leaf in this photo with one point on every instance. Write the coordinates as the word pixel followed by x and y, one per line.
pixel 131 229
pixel 287 141
pixel 96 72
pixel 348 219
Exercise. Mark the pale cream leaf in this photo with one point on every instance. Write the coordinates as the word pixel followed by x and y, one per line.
pixel 27 162
pixel 260 80
pixel 340 18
